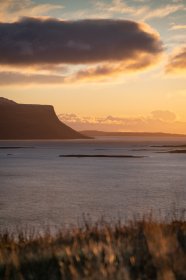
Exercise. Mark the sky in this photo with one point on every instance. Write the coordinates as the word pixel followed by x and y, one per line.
pixel 112 65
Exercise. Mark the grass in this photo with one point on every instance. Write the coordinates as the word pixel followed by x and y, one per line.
pixel 144 250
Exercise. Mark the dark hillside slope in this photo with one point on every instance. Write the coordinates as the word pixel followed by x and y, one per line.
pixel 22 121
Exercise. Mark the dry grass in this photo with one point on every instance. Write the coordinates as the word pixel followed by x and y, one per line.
pixel 139 250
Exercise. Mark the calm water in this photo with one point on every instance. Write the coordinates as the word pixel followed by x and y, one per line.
pixel 37 187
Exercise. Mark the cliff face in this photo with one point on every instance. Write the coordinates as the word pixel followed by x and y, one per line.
pixel 22 121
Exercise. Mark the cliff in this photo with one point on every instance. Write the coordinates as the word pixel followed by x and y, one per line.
pixel 23 121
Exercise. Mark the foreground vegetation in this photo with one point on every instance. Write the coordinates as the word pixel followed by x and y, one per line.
pixel 139 250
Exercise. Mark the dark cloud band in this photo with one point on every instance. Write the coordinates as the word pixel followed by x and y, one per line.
pixel 16 78
pixel 35 41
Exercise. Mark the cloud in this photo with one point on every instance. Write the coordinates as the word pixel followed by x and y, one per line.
pixel 145 12
pixel 163 11
pixel 177 62
pixel 15 78
pixel 103 72
pixel 178 27
pixel 116 6
pixel 36 41
pixel 163 115
pixel 12 10
pixel 157 121
pixel 94 49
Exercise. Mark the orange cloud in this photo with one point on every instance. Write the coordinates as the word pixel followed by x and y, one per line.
pixel 177 62
pixel 178 27
pixel 157 121
pixel 15 78
pixel 104 72
pixel 163 115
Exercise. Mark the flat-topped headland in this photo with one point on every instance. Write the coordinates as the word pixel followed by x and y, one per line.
pixel 30 121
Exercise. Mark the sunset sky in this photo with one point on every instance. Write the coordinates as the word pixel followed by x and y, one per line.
pixel 110 65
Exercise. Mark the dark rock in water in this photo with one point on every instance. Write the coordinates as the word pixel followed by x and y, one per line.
pixel 100 156
pixel 13 147
pixel 25 121
pixel 7 148
pixel 168 146
pixel 178 152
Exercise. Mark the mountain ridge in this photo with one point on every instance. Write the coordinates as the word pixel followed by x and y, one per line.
pixel 94 133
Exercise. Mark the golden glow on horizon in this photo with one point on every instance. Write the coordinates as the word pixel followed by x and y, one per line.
pixel 134 98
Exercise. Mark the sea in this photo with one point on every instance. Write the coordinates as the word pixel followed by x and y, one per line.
pixel 59 183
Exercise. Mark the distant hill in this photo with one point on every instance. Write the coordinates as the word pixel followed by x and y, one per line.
pixel 94 133
pixel 25 121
